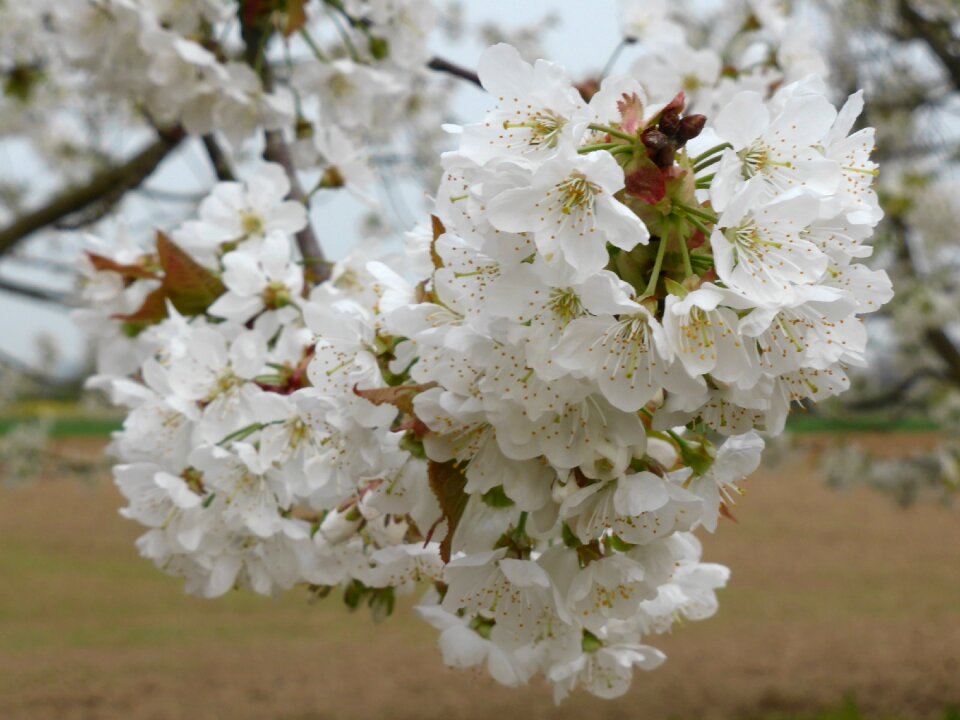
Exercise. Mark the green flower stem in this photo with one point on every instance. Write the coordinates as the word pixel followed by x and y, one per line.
pixel 712 151
pixel 308 38
pixel 521 525
pixel 685 253
pixel 344 33
pixel 657 265
pixel 703 165
pixel 614 133
pixel 700 213
pixel 699 226
pixel 704 182
pixel 598 146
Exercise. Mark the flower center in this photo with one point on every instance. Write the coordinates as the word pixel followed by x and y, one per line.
pixel 577 193
pixel 341 86
pixel 565 304
pixel 545 128
pixel 251 223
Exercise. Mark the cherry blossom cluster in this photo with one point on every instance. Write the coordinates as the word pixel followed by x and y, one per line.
pixel 531 415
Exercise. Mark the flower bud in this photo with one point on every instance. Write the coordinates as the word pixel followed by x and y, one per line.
pixel 339 526
pixel 690 127
pixel 654 140
pixel 661 451
pixel 670 123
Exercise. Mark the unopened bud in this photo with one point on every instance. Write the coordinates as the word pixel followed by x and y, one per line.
pixel 303 128
pixel 654 140
pixel 690 127
pixel 670 123
pixel 338 526
pixel 588 88
pixel 332 178
pixel 379 47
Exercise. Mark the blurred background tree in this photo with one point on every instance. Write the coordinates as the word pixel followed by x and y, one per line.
pixel 905 54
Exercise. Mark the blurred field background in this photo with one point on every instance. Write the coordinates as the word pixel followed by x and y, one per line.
pixel 842 605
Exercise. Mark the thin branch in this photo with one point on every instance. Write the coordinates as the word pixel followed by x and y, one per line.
pixel 936 337
pixel 441 65
pixel 218 158
pixel 948 352
pixel 171 195
pixel 46 264
pixel 109 183
pixel 896 394
pixel 276 150
pixel 32 293
pixel 937 36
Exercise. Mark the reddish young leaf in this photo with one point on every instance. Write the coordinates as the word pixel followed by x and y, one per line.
pixel 400 397
pixel 447 482
pixel 251 11
pixel 190 286
pixel 631 113
pixel 725 511
pixel 130 272
pixel 153 310
pixel 646 183
pixel 438 230
pixel 296 17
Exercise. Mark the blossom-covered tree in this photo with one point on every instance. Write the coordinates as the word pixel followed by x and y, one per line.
pixel 616 286
pixel 906 57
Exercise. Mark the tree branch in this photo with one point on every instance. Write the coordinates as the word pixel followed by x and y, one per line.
pixel 218 158
pixel 256 36
pixel 32 293
pixel 896 393
pixel 441 65
pixel 948 352
pixel 113 181
pixel 277 151
pixel 937 36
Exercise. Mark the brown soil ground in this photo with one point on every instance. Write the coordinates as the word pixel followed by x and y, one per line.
pixel 833 595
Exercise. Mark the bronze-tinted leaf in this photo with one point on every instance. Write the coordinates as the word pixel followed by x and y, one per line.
pixel 438 230
pixel 153 310
pixel 400 397
pixel 132 272
pixel 191 287
pixel 296 16
pixel 447 482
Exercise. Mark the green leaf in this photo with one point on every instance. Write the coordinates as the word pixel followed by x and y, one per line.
pixel 190 286
pixel 447 482
pixel 497 498
pixel 675 288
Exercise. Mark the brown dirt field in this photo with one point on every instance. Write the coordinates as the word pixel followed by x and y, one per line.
pixel 833 595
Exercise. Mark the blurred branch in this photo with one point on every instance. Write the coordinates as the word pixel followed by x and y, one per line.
pixel 947 351
pixel 936 34
pixel 441 65
pixel 896 394
pixel 256 36
pixel 54 266
pixel 109 183
pixel 219 159
pixel 937 337
pixel 47 296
